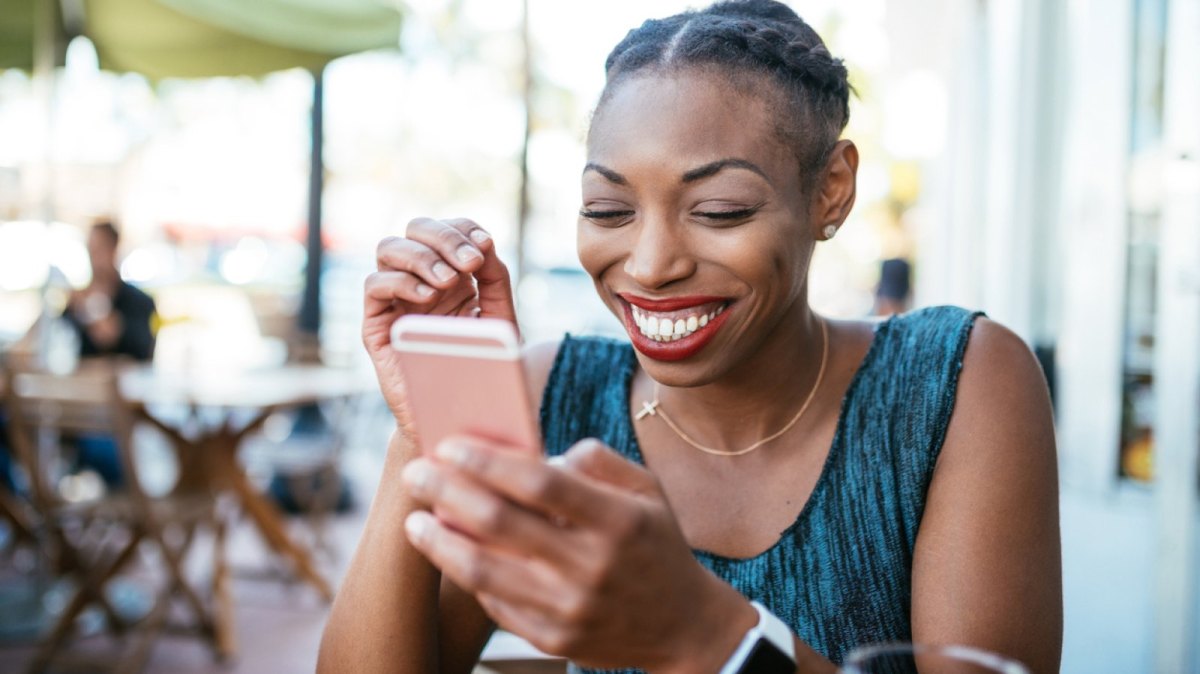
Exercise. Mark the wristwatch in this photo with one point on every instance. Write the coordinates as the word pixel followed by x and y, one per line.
pixel 766 649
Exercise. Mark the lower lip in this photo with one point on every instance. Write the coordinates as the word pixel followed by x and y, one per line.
pixel 678 349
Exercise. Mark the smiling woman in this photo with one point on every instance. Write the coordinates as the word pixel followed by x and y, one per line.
pixel 744 486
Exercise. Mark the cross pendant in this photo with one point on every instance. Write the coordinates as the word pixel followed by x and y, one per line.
pixel 648 408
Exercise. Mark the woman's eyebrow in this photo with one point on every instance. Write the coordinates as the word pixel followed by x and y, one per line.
pixel 714 167
pixel 612 175
pixel 691 176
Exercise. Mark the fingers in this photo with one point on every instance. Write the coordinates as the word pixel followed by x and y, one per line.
pixel 414 257
pixel 460 243
pixel 441 252
pixel 544 633
pixel 478 569
pixel 457 236
pixel 527 480
pixel 384 288
pixel 480 513
pixel 389 286
pixel 592 458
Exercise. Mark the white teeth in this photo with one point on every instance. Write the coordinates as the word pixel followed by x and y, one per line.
pixel 666 330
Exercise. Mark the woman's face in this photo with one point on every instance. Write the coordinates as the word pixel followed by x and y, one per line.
pixel 694 225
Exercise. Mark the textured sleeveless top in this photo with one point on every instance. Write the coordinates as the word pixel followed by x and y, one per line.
pixel 841 574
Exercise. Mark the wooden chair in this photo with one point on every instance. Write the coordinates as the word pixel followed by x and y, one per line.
pixel 14 510
pixel 22 523
pixel 96 540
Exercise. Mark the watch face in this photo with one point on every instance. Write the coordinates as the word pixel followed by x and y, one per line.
pixel 766 658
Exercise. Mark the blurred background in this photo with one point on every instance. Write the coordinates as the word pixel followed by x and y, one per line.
pixel 1036 160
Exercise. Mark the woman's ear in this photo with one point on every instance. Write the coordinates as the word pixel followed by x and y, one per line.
pixel 834 194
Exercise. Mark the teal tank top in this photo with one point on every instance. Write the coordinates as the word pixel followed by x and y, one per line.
pixel 841 574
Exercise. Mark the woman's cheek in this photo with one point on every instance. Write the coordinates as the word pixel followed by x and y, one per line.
pixel 598 249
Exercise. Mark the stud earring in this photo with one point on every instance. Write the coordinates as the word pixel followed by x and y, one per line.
pixel 829 231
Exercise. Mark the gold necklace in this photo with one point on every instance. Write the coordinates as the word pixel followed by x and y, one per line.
pixel 654 409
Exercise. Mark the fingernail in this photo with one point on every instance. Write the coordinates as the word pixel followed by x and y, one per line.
pixel 479 236
pixel 418 527
pixel 452 452
pixel 443 270
pixel 558 461
pixel 417 476
pixel 467 253
pixel 424 290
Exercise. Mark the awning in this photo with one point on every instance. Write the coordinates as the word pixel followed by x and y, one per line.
pixel 17 28
pixel 209 38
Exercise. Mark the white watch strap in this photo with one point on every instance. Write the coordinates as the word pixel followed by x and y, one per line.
pixel 775 630
pixel 769 627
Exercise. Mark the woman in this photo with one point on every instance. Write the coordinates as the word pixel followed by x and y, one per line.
pixel 910 466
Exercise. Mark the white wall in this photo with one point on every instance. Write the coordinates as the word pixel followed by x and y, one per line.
pixel 1177 348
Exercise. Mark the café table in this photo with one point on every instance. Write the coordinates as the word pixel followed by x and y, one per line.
pixel 223 408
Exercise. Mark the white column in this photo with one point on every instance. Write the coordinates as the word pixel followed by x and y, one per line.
pixel 1006 264
pixel 998 225
pixel 1177 347
pixel 949 246
pixel 1094 217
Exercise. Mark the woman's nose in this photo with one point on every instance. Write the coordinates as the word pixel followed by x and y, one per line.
pixel 659 256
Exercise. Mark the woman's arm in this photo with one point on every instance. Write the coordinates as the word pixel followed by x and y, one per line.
pixel 386 616
pixel 987 567
pixel 390 614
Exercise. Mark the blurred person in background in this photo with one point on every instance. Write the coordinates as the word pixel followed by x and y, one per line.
pixel 112 317
pixel 742 485
pixel 894 290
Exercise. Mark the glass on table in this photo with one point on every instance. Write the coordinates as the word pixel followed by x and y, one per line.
pixel 904 658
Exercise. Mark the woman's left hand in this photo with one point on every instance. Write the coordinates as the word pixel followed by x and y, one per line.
pixel 583 558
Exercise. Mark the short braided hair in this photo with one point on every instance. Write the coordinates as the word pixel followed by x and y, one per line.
pixel 755 36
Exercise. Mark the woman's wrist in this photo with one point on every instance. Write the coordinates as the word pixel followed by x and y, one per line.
pixel 402 444
pixel 712 633
pixel 400 451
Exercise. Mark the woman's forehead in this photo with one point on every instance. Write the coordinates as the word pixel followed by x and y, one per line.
pixel 684 119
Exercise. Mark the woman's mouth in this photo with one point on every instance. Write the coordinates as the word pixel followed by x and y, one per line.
pixel 675 328
pixel 672 326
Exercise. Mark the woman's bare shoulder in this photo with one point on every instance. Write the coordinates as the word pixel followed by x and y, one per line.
pixel 999 366
pixel 538 359
pixel 990 527
pixel 1002 410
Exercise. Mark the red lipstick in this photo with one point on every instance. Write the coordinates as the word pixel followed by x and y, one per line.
pixel 670 303
pixel 678 349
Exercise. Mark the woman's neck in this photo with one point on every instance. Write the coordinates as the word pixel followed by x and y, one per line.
pixel 761 395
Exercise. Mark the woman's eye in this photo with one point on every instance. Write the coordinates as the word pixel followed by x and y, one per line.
pixel 739 214
pixel 605 215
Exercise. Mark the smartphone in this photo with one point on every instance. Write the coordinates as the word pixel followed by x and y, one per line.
pixel 464 375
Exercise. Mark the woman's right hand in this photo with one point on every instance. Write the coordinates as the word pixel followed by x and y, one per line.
pixel 440 267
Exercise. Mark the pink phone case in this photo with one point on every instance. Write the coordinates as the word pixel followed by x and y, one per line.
pixel 464 375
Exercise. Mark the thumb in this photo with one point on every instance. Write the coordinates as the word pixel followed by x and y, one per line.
pixel 494 286
pixel 592 458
